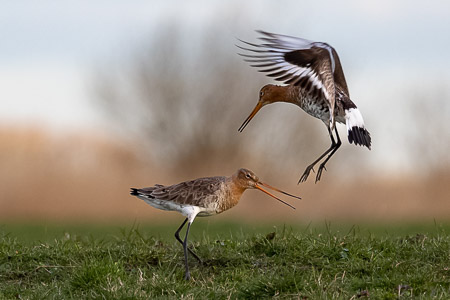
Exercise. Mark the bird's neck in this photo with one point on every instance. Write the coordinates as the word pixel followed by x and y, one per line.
pixel 290 94
pixel 235 188
pixel 232 194
pixel 236 192
pixel 284 94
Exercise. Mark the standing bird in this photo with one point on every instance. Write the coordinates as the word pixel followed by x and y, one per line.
pixel 315 82
pixel 202 197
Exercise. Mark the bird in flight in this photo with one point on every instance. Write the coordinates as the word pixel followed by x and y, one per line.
pixel 314 81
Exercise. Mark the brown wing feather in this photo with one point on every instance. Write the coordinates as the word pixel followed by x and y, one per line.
pixel 188 192
pixel 338 74
pixel 327 78
pixel 318 59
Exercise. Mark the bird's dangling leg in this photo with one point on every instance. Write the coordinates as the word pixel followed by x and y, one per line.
pixel 311 166
pixel 336 147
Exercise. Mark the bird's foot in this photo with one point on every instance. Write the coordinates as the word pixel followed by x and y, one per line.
pixel 306 173
pixel 187 275
pixel 319 172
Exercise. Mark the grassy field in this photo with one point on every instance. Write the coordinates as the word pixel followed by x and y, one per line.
pixel 239 261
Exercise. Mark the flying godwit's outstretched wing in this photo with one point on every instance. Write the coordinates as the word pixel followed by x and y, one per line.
pixel 313 66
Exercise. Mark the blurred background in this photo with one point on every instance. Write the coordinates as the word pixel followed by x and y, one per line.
pixel 100 96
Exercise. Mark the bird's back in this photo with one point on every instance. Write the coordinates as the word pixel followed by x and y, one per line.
pixel 204 193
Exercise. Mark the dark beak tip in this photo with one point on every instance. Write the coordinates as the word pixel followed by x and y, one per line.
pixel 243 126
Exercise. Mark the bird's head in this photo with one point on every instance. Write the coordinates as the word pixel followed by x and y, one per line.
pixel 268 94
pixel 246 179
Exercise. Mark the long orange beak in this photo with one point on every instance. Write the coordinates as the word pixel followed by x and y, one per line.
pixel 278 190
pixel 250 117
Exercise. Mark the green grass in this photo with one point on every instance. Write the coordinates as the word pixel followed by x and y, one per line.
pixel 240 261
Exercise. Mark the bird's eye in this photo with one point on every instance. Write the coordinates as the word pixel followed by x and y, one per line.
pixel 247 176
pixel 261 93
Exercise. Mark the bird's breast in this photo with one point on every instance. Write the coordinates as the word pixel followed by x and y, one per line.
pixel 315 107
pixel 227 197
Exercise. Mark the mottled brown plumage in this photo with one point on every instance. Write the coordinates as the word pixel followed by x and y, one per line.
pixel 202 197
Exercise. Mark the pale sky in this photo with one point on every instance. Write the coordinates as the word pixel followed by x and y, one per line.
pixel 49 49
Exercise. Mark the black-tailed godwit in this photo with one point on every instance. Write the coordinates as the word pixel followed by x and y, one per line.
pixel 315 82
pixel 202 197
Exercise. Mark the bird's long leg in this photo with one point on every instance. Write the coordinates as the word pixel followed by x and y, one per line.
pixel 336 147
pixel 311 166
pixel 187 275
pixel 177 236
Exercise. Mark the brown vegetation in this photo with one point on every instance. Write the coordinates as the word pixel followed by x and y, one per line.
pixel 86 178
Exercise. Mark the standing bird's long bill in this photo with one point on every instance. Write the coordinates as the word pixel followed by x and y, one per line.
pixel 250 117
pixel 275 189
